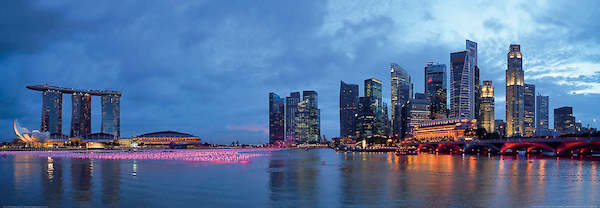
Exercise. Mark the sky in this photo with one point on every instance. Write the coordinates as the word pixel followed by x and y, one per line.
pixel 207 67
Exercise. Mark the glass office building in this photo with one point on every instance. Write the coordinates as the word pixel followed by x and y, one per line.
pixel 529 110
pixel 51 112
pixel 541 115
pixel 435 89
pixel 402 91
pixel 348 109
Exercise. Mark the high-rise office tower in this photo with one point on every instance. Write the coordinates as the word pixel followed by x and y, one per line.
pixel 52 111
pixel 564 121
pixel 314 116
pixel 401 88
pixel 291 108
pixel 373 90
pixel 435 89
pixel 111 115
pixel 348 109
pixel 367 117
pixel 386 120
pixel 487 106
pixel 529 107
pixel 417 111
pixel 541 115
pixel 462 79
pixel 472 48
pixel 276 122
pixel 515 108
pixel 81 120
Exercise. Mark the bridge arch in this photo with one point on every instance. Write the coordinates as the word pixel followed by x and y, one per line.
pixel 429 146
pixel 444 147
pixel 569 146
pixel 527 145
pixel 470 147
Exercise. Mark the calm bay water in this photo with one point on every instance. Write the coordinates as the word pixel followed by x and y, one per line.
pixel 298 178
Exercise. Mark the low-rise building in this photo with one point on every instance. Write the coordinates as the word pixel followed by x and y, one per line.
pixel 448 129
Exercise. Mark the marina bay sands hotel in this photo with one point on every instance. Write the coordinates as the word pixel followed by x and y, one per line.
pixel 81 120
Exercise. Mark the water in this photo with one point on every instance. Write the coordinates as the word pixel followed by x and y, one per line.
pixel 298 178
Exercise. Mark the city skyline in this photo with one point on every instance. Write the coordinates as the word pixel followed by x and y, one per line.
pixel 174 81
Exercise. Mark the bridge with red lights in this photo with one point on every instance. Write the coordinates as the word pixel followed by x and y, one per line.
pixel 562 146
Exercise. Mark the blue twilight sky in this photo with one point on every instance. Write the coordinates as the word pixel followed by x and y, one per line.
pixel 206 67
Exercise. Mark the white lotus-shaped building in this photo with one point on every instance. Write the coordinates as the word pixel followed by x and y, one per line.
pixel 30 136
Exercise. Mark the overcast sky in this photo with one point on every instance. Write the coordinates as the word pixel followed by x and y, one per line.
pixel 206 67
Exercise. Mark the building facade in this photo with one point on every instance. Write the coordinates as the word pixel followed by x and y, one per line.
pixel 276 121
pixel 564 121
pixel 348 109
pixel 541 116
pixel 111 115
pixel 471 47
pixel 417 111
pixel 487 107
pixel 51 112
pixel 291 109
pixel 81 117
pixel 462 92
pixel 373 89
pixel 515 108
pixel 367 117
pixel 308 120
pixel 435 89
pixel 448 129
pixel 402 91
pixel 529 107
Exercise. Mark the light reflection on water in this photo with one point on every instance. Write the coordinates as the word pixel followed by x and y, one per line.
pixel 298 178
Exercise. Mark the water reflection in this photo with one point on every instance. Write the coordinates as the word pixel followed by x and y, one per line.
pixel 297 178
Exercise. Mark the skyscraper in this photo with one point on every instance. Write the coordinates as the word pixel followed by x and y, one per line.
pixel 487 106
pixel 564 121
pixel 291 108
pixel 515 108
pixel 81 120
pixel 417 111
pixel 529 107
pixel 276 122
pixel 373 90
pixel 401 88
pixel 348 109
pixel 462 79
pixel 111 118
pixel 435 89
pixel 313 119
pixel 367 117
pixel 52 111
pixel 541 115
pixel 472 48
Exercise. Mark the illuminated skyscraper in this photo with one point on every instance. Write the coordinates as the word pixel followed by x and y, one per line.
pixel 462 79
pixel 348 109
pixel 373 90
pixel 402 91
pixel 52 111
pixel 515 108
pixel 312 116
pixel 500 127
pixel 435 89
pixel 81 120
pixel 291 108
pixel 487 106
pixel 529 107
pixel 111 115
pixel 276 122
pixel 417 111
pixel 472 48
pixel 367 117
pixel 541 115
pixel 564 121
